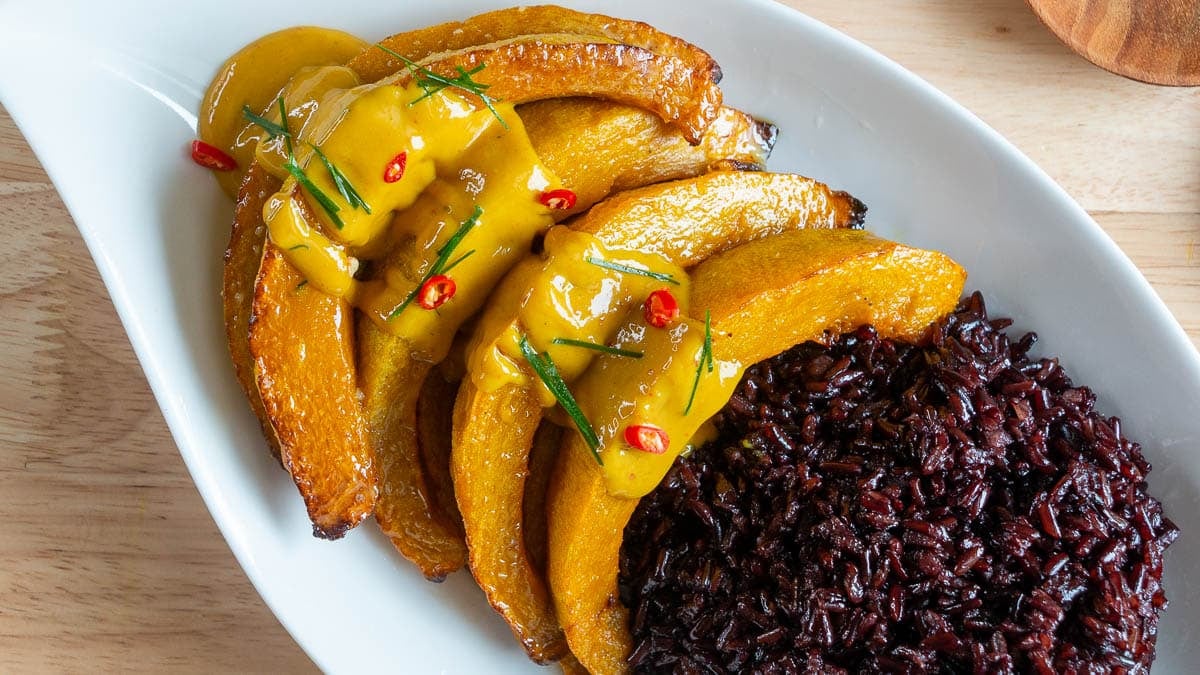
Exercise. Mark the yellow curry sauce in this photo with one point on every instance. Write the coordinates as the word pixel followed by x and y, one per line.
pixel 471 175
pixel 253 76
pixel 565 294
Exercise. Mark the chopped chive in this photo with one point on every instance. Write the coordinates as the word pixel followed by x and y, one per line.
pixel 273 130
pixel 695 385
pixel 458 260
pixel 407 301
pixel 543 365
pixel 597 347
pixel 706 360
pixel 431 83
pixel 343 184
pixel 439 265
pixel 323 199
pixel 283 126
pixel 298 173
pixel 447 249
pixel 629 269
pixel 344 187
pixel 439 83
pixel 298 247
pixel 708 350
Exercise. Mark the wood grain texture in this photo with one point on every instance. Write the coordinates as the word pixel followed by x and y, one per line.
pixel 109 560
pixel 1154 41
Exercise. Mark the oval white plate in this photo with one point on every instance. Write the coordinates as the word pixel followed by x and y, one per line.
pixel 932 174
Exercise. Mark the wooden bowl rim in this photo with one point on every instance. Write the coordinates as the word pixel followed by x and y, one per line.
pixel 1063 33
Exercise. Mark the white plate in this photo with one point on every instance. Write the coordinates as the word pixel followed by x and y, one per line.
pixel 106 94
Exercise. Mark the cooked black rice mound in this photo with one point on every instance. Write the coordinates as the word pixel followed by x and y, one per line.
pixel 872 506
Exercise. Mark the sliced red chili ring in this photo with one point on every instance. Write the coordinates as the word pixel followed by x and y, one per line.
pixel 661 308
pixel 647 438
pixel 394 169
pixel 436 291
pixel 559 200
pixel 211 157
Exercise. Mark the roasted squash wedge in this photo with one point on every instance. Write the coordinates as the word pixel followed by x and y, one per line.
pixel 499 560
pixel 630 148
pixel 764 297
pixel 537 68
pixel 506 24
pixel 304 370
pixel 391 380
pixel 435 411
pixel 542 458
pixel 243 257
pixel 686 221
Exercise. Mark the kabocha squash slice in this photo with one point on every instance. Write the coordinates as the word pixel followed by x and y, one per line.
pixel 683 221
pixel 391 379
pixel 542 458
pixel 435 410
pixel 499 559
pixel 324 453
pixel 686 221
pixel 302 342
pixel 506 24
pixel 243 257
pixel 627 147
pixel 764 297
pixel 533 69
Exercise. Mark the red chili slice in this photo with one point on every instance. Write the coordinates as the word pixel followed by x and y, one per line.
pixel 436 291
pixel 559 200
pixel 647 438
pixel 661 308
pixel 211 157
pixel 394 170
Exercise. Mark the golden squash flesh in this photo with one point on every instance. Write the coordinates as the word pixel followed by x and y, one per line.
pixel 515 22
pixel 304 371
pixel 534 69
pixel 243 257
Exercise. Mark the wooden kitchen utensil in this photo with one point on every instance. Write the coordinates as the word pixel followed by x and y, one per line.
pixel 1156 41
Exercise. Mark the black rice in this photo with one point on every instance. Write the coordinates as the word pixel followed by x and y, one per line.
pixel 872 506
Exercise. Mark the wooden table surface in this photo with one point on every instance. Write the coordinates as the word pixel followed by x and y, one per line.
pixel 108 557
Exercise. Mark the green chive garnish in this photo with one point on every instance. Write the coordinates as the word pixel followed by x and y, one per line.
pixel 597 347
pixel 293 168
pixel 343 184
pixel 440 265
pixel 708 350
pixel 628 269
pixel 457 260
pixel 323 199
pixel 344 187
pixel 273 130
pixel 283 126
pixel 543 365
pixel 431 83
pixel 706 360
